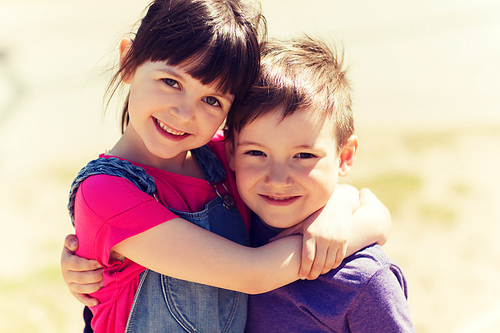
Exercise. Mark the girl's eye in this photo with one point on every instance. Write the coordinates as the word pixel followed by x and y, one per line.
pixel 255 153
pixel 171 83
pixel 305 155
pixel 212 101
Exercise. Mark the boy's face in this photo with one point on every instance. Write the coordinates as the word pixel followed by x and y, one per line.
pixel 286 169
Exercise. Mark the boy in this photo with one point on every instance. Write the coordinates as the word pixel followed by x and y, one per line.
pixel 288 143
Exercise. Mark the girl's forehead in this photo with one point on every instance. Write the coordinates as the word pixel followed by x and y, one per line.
pixel 198 68
pixel 182 73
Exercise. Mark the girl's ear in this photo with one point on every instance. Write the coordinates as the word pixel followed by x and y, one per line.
pixel 230 153
pixel 348 155
pixel 125 45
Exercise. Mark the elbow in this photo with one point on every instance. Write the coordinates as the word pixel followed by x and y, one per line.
pixel 255 285
pixel 386 232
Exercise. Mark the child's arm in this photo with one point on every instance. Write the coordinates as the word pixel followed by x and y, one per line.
pixel 182 250
pixel 198 256
pixel 371 209
pixel 349 222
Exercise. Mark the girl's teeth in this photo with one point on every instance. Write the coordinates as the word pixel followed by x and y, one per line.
pixel 168 130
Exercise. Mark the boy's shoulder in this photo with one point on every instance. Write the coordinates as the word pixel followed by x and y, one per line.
pixel 364 264
pixel 365 272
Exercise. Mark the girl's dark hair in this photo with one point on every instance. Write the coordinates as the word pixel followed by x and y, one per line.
pixel 222 36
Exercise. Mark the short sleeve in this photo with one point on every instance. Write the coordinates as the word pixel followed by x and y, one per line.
pixel 381 306
pixel 111 209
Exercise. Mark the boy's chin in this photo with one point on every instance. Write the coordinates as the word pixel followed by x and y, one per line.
pixel 277 224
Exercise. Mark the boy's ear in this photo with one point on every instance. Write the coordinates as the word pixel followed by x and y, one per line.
pixel 348 155
pixel 125 45
pixel 230 153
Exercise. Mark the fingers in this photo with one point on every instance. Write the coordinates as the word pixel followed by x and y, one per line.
pixel 71 243
pixel 83 282
pixel 333 260
pixel 82 276
pixel 85 299
pixel 318 264
pixel 72 262
pixel 335 257
pixel 308 255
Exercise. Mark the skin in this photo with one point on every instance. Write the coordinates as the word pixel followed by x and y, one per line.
pixel 285 178
pixel 84 276
pixel 171 113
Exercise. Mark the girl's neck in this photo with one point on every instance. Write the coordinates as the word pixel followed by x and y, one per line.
pixel 133 150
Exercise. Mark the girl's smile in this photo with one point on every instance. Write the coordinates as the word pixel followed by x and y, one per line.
pixel 169 131
pixel 170 113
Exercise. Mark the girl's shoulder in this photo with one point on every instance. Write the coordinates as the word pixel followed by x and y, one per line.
pixel 103 193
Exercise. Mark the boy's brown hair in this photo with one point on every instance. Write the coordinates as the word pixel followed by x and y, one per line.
pixel 303 72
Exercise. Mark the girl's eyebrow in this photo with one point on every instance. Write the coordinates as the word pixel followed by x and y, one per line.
pixel 170 72
pixel 180 76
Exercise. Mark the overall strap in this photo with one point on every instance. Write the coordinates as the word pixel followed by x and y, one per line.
pixel 214 172
pixel 212 168
pixel 111 166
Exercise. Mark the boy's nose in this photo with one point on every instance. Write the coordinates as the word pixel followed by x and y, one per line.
pixel 278 176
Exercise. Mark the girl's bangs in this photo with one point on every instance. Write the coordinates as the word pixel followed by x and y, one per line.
pixel 231 64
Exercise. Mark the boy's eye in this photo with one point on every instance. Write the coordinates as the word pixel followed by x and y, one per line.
pixel 255 153
pixel 212 101
pixel 305 155
pixel 171 83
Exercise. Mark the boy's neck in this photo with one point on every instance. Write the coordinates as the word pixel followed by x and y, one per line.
pixel 273 229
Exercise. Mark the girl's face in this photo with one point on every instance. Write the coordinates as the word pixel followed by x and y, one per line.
pixel 172 112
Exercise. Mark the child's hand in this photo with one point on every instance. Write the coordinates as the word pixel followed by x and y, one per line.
pixel 326 233
pixel 82 276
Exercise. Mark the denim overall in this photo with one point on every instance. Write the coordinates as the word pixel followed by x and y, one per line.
pixel 166 304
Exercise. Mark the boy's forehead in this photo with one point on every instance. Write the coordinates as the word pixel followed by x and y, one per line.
pixel 308 119
pixel 315 114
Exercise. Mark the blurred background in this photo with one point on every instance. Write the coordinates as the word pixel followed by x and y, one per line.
pixel 426 76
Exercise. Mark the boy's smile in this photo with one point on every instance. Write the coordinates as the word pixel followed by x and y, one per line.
pixel 286 169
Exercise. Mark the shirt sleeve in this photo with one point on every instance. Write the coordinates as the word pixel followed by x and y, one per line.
pixel 111 209
pixel 382 305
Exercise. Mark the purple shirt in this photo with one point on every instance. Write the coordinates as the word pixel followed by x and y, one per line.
pixel 366 293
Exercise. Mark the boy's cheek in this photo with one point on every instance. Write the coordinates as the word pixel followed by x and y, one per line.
pixel 230 155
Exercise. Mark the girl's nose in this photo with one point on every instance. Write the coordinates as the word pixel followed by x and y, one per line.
pixel 184 112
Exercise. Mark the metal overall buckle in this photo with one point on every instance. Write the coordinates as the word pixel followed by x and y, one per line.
pixel 227 200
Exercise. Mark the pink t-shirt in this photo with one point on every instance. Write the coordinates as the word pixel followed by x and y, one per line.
pixel 111 209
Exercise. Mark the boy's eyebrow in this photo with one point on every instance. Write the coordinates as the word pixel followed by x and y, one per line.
pixel 251 143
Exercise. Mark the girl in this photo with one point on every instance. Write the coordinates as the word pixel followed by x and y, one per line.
pixel 189 61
